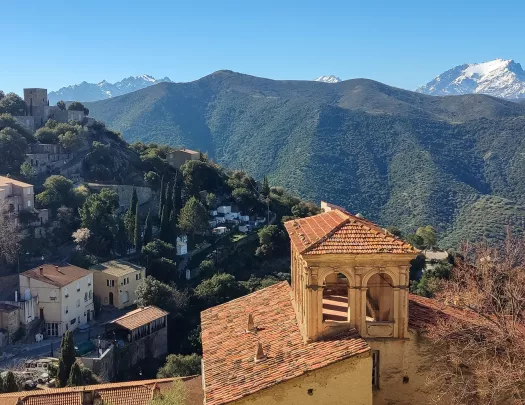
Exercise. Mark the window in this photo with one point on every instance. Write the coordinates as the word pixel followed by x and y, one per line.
pixel 67 310
pixel 73 321
pixel 85 296
pixel 89 281
pixel 52 329
pixel 53 295
pixel 110 283
pixel 138 276
pixel 90 294
pixel 335 298
pixel 66 292
pixel 78 302
pixel 380 298
pixel 78 286
pixel 28 191
pixel 29 203
pixel 375 369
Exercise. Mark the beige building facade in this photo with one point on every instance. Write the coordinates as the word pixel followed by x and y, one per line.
pixel 116 282
pixel 178 157
pixel 16 195
pixel 65 296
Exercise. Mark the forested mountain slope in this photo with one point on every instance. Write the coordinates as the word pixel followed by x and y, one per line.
pixel 399 157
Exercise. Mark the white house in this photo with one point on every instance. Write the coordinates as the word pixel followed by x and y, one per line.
pixel 220 230
pixel 182 245
pixel 244 218
pixel 220 220
pixel 212 223
pixel 65 296
pixel 224 209
pixel 213 213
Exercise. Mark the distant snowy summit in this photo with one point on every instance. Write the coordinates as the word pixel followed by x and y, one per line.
pixel 498 78
pixel 328 79
pixel 103 90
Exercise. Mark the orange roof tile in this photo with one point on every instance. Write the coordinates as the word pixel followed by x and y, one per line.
pixel 58 276
pixel 139 317
pixel 8 180
pixel 124 393
pixel 230 371
pixel 339 232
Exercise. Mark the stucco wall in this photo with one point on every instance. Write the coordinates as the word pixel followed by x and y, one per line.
pixel 102 366
pixel 346 383
pixel 102 290
pixel 404 371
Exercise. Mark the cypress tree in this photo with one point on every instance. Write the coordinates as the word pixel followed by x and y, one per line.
pixel 134 201
pixel 169 196
pixel 177 194
pixel 162 196
pixel 148 230
pixel 137 239
pixel 265 187
pixel 10 383
pixel 62 376
pixel 165 224
pixel 75 377
pixel 121 238
pixel 67 352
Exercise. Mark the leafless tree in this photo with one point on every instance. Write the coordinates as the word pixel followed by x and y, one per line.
pixel 482 356
pixel 9 235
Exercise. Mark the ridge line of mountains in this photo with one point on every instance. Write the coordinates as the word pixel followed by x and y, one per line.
pixel 398 157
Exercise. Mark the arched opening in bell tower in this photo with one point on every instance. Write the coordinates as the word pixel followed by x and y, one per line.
pixel 335 298
pixel 380 298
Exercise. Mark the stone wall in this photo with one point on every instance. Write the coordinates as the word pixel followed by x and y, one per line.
pixel 124 192
pixel 102 366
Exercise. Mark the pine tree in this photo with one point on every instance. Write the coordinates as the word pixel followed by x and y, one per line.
pixel 162 197
pixel 265 187
pixel 138 238
pixel 67 352
pixel 10 383
pixel 148 230
pixel 75 377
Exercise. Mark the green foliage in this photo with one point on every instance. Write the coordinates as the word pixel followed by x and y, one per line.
pixel 428 235
pixel 265 191
pixel 176 395
pixel 7 121
pixel 271 241
pixel 219 289
pixel 27 171
pixel 305 209
pixel 58 191
pixel 62 376
pixel 162 197
pixel 70 141
pixel 10 384
pixel 178 365
pixel 148 229
pixel 12 104
pixel 13 147
pixel 46 135
pixel 155 292
pixel 61 105
pixel 138 232
pixel 211 201
pixel 247 200
pixel 394 230
pixel 207 267
pixel 416 240
pixel 75 376
pixel 160 257
pixel 152 179
pixel 98 214
pixel 429 284
pixel 76 106
pixel 193 217
pixel 201 176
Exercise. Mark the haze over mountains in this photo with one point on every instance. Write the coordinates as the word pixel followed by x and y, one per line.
pixel 498 78
pixel 103 90
pixel 398 157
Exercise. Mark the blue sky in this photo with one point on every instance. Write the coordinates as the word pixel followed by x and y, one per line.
pixel 403 43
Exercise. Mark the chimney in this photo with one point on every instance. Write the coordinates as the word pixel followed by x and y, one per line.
pixel 41 270
pixel 56 268
pixel 259 355
pixel 251 325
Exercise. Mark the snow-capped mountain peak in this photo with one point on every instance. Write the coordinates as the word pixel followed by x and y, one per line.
pixel 103 90
pixel 499 77
pixel 328 79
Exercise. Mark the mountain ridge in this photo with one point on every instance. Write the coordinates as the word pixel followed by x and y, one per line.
pixel 499 77
pixel 86 92
pixel 399 157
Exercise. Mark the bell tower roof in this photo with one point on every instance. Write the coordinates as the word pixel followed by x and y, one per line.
pixel 339 232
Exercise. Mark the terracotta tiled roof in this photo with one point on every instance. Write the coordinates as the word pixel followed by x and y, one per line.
pixel 58 276
pixel 139 317
pixel 7 180
pixel 340 232
pixel 117 268
pixel 230 371
pixel 424 312
pixel 125 393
